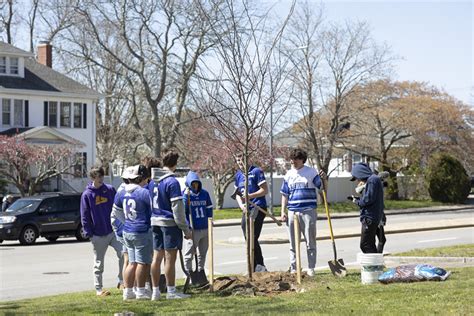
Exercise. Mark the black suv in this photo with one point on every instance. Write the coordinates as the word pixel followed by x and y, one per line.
pixel 49 215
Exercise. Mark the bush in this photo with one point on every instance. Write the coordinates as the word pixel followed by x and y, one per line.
pixel 447 179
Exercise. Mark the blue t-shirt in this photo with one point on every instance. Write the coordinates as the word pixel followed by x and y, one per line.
pixel 136 205
pixel 299 185
pixel 166 191
pixel 200 208
pixel 256 179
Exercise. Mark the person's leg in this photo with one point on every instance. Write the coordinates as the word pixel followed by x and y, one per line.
pixel 203 246
pixel 114 243
pixel 258 256
pixel 158 255
pixel 308 227
pixel 99 245
pixel 381 238
pixel 189 250
pixel 291 237
pixel 130 273
pixel 170 271
pixel 130 270
pixel 367 236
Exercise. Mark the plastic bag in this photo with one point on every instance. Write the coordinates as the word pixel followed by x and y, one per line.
pixel 414 273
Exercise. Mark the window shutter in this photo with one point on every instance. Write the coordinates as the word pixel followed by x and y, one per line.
pixel 27 114
pixel 45 113
pixel 84 115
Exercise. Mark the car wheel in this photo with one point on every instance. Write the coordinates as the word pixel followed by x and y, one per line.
pixel 28 235
pixel 81 234
pixel 52 239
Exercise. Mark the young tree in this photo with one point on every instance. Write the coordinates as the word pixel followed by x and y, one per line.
pixel 247 85
pixel 26 166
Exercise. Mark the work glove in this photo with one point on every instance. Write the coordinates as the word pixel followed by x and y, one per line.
pixel 355 199
pixel 360 188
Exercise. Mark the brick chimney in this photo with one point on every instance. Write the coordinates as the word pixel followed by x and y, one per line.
pixel 45 54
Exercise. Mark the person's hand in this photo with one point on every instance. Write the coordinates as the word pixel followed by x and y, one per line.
pixel 187 191
pixel 283 217
pixel 322 174
pixel 355 199
pixel 188 235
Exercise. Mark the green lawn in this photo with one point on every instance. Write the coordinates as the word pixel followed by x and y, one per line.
pixel 452 251
pixel 339 207
pixel 324 294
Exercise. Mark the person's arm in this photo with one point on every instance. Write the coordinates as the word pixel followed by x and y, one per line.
pixel 284 200
pixel 368 198
pixel 179 216
pixel 86 218
pixel 209 209
pixel 262 191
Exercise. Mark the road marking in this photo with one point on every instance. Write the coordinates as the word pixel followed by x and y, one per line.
pixel 433 240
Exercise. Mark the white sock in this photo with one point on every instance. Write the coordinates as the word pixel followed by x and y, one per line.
pixel 141 290
pixel 128 291
pixel 156 291
pixel 171 289
pixel 148 285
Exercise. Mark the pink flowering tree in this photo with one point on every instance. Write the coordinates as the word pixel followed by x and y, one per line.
pixel 27 166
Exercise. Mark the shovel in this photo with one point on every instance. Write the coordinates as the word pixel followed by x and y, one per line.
pixel 336 265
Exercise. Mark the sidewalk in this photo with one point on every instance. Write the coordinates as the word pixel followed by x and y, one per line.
pixel 323 234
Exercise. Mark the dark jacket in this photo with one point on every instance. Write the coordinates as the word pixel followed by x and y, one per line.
pixel 371 202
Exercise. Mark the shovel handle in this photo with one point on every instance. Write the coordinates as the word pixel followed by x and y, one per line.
pixel 278 222
pixel 330 223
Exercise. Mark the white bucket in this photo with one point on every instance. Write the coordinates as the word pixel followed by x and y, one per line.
pixel 371 267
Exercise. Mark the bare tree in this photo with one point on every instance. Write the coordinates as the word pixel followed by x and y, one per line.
pixel 162 43
pixel 249 81
pixel 6 18
pixel 333 61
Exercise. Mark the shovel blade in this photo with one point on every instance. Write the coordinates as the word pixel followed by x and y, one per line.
pixel 337 267
pixel 198 278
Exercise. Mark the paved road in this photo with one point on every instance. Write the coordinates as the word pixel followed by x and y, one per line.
pixel 66 266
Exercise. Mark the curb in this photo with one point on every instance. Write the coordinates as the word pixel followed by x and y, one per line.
pixel 404 260
pixel 236 222
pixel 284 240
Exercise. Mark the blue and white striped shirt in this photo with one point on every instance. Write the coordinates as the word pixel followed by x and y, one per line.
pixel 299 186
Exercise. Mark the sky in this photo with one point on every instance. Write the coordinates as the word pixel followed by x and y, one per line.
pixel 434 39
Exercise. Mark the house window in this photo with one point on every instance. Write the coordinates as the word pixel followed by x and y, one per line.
pixel 14 66
pixel 65 119
pixel 3 65
pixel 6 111
pixel 77 115
pixel 18 113
pixel 80 168
pixel 53 114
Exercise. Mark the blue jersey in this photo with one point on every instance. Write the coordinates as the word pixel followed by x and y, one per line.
pixel 135 202
pixel 165 191
pixel 256 179
pixel 299 185
pixel 199 207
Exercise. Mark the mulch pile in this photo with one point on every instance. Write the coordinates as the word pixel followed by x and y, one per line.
pixel 263 283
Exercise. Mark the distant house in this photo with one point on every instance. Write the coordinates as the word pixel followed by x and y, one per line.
pixel 45 106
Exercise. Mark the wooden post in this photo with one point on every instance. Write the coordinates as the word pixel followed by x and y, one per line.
pixel 211 254
pixel 296 222
pixel 252 250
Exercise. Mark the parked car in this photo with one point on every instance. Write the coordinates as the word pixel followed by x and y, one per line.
pixel 51 215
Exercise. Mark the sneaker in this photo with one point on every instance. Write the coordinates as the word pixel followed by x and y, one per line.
pixel 310 272
pixel 129 296
pixel 260 268
pixel 291 270
pixel 176 295
pixel 143 296
pixel 155 296
pixel 102 293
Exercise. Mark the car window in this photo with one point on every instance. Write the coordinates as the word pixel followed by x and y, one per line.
pixel 70 203
pixel 24 205
pixel 49 206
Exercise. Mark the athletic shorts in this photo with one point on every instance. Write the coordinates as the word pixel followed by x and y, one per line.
pixel 165 237
pixel 139 247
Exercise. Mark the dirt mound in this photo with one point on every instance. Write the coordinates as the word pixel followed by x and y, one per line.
pixel 263 283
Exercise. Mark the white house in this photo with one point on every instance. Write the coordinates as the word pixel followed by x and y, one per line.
pixel 44 105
